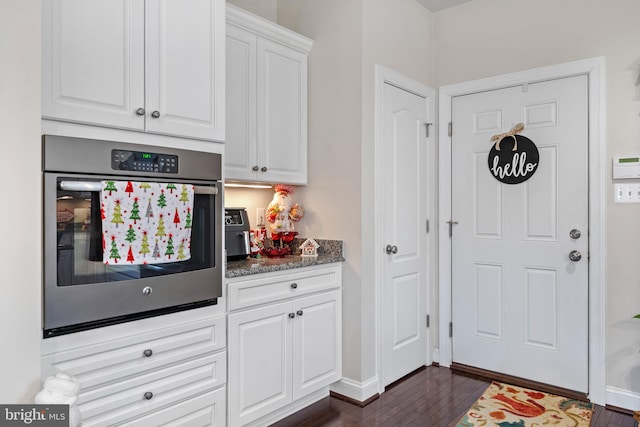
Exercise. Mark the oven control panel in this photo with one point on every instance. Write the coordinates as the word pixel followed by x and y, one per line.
pixel 139 161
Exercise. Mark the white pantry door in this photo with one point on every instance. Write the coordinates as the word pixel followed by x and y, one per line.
pixel 404 230
pixel 519 303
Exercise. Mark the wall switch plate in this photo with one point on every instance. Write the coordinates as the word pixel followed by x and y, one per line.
pixel 259 217
pixel 626 193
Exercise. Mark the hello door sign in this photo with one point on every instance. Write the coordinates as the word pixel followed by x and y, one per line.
pixel 513 159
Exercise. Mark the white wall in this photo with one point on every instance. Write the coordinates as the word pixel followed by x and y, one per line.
pixel 490 37
pixel 350 38
pixel 397 35
pixel 264 8
pixel 20 211
pixel 332 198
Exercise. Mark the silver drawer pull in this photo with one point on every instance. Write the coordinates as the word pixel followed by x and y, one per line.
pixel 148 353
pixel 299 312
pixel 292 315
pixel 294 285
pixel 148 395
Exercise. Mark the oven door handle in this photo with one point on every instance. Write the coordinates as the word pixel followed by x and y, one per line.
pixel 97 186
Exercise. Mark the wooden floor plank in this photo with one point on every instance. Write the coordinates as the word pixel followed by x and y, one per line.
pixel 434 397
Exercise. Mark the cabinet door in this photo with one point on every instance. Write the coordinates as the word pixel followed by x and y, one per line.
pixel 185 68
pixel 93 61
pixel 282 113
pixel 240 145
pixel 317 336
pixel 259 351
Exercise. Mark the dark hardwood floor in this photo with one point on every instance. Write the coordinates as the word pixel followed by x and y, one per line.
pixel 433 397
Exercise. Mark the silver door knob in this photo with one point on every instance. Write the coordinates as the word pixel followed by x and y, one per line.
pixel 140 111
pixel 255 168
pixel 155 114
pixel 263 169
pixel 575 234
pixel 391 249
pixel 575 256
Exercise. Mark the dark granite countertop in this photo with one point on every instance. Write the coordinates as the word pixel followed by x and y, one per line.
pixel 330 251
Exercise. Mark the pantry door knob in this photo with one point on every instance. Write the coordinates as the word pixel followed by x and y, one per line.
pixel 575 256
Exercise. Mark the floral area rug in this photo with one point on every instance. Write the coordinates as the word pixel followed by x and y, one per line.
pixel 503 405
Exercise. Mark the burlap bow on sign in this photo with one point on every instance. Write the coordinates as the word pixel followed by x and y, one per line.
pixel 512 133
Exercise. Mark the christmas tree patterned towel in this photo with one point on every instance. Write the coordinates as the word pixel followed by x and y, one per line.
pixel 145 222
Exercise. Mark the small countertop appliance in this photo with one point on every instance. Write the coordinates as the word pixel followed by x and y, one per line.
pixel 237 233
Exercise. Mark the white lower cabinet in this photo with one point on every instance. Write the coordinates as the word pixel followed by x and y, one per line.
pixel 166 370
pixel 285 350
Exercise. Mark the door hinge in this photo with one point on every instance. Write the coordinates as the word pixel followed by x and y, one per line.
pixel 451 224
pixel 450 129
pixel 426 126
pixel 428 321
pixel 450 329
pixel 427 226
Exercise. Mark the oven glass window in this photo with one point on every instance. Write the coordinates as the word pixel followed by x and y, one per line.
pixel 80 246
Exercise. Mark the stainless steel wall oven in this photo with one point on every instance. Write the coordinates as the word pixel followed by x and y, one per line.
pixel 81 291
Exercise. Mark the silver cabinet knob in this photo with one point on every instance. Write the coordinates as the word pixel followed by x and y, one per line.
pixel 391 249
pixel 255 168
pixel 155 114
pixel 575 234
pixel 140 111
pixel 292 315
pixel 263 169
pixel 575 256
pixel 147 291
pixel 299 312
pixel 148 395
pixel 148 352
pixel 294 285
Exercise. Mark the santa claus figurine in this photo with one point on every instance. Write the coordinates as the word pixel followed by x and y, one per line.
pixel 282 213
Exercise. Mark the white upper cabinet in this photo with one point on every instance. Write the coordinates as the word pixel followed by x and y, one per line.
pixel 154 66
pixel 266 101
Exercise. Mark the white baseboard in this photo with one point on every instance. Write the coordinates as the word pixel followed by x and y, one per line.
pixel 622 398
pixel 436 355
pixel 356 390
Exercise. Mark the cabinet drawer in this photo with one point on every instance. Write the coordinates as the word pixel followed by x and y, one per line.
pixel 205 410
pixel 269 287
pixel 109 361
pixel 144 394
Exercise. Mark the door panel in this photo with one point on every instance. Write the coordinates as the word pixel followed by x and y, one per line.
pixel 317 354
pixel 519 302
pixel 405 186
pixel 259 352
pixel 183 74
pixel 93 66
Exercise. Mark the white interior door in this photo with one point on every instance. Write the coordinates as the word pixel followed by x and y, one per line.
pixel 404 229
pixel 519 303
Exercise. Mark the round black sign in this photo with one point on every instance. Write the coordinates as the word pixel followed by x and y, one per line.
pixel 514 159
